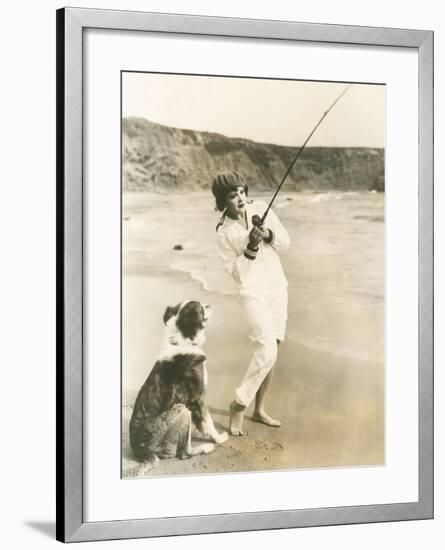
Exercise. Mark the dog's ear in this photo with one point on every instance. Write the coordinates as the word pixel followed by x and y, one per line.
pixel 169 312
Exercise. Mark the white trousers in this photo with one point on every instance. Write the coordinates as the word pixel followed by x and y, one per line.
pixel 266 316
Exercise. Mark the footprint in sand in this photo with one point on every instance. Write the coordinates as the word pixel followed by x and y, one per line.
pixel 264 445
pixel 233 452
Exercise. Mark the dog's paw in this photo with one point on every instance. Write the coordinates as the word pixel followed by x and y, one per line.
pixel 221 438
pixel 207 448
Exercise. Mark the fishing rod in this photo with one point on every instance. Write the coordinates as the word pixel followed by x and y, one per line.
pixel 256 219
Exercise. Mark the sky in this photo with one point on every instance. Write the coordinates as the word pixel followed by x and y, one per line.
pixel 282 112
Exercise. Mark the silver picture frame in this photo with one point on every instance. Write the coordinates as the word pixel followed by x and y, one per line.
pixel 71 301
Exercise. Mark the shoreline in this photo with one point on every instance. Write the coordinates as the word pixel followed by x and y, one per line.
pixel 332 407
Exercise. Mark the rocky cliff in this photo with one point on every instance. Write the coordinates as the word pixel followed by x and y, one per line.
pixel 156 157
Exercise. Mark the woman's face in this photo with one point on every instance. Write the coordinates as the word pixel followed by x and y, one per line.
pixel 236 202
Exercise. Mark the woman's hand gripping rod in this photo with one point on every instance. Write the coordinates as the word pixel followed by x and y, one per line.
pixel 258 221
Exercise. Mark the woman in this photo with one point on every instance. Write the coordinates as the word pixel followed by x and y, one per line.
pixel 250 255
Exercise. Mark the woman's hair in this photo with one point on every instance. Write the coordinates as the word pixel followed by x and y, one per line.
pixel 223 183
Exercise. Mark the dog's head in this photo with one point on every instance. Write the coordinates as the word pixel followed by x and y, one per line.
pixel 185 322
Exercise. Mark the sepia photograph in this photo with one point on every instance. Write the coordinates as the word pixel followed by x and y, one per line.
pixel 253 274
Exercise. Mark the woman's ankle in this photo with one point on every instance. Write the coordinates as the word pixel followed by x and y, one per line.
pixel 237 406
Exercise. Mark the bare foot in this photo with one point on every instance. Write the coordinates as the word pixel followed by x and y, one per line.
pixel 264 418
pixel 236 418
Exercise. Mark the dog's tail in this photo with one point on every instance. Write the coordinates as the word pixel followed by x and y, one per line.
pixel 143 453
pixel 145 465
pixel 148 462
pixel 146 456
pixel 140 444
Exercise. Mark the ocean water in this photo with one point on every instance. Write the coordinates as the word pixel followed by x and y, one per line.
pixel 335 265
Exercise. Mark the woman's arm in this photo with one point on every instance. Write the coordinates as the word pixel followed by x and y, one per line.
pixel 239 266
pixel 279 237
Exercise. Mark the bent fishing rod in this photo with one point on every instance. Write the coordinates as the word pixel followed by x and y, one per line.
pixel 256 219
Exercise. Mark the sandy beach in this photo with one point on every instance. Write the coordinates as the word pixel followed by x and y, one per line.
pixel 328 387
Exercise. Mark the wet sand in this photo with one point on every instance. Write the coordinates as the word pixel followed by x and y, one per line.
pixel 331 406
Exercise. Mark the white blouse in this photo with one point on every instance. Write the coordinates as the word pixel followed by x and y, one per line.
pixel 264 273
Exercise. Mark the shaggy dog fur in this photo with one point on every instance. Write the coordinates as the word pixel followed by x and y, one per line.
pixel 173 398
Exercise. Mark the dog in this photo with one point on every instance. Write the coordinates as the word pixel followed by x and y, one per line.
pixel 173 398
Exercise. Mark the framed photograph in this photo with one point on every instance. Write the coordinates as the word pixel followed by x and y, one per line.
pixel 245 274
